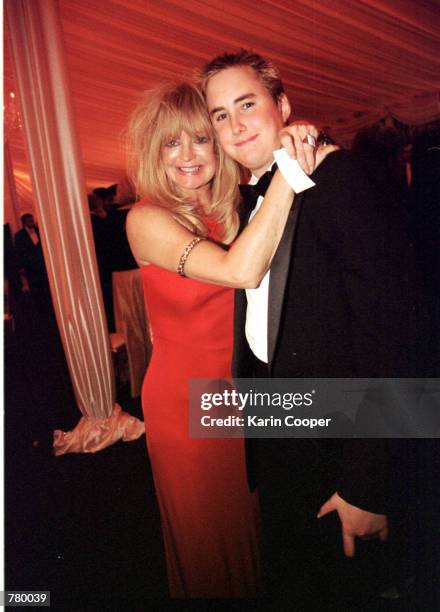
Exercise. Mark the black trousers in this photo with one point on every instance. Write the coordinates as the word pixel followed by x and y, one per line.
pixel 304 566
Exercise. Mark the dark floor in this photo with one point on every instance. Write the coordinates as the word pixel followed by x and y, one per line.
pixel 86 527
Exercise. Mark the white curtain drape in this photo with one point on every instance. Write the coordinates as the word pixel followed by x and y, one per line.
pixel 416 111
pixel 132 322
pixel 10 194
pixel 38 57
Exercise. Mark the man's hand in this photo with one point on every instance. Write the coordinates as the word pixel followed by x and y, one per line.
pixel 355 522
pixel 24 283
pixel 292 138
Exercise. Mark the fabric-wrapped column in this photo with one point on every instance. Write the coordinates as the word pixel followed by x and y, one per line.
pixel 60 198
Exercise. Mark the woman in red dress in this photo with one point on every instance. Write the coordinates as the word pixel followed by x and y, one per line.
pixel 189 206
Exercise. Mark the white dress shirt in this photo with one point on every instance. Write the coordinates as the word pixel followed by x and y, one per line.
pixel 33 235
pixel 257 308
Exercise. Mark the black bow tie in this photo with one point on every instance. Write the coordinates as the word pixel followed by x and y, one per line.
pixel 263 183
pixel 260 188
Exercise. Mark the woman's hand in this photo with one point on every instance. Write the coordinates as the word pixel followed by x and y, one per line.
pixel 293 138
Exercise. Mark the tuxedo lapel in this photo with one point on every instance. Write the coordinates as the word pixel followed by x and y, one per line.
pixel 279 271
pixel 241 350
pixel 248 203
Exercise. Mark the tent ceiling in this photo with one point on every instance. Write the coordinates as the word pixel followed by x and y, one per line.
pixel 341 61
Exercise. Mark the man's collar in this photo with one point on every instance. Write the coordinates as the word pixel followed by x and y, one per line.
pixel 254 179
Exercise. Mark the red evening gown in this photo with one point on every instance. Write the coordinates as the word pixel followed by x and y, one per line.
pixel 209 518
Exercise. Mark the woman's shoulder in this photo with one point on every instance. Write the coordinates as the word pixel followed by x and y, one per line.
pixel 147 207
pixel 147 225
pixel 147 211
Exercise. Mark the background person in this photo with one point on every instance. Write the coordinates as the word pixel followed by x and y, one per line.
pixel 32 268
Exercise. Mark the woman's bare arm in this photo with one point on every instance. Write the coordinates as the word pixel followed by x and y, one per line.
pixel 156 237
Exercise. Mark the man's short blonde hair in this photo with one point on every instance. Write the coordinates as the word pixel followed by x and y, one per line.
pixel 267 72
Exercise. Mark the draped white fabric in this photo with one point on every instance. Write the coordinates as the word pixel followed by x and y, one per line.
pixel 10 192
pixel 131 322
pixel 346 63
pixel 59 193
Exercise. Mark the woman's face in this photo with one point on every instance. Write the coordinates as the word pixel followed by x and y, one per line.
pixel 190 162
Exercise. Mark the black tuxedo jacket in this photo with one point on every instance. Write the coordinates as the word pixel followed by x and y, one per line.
pixel 340 305
pixel 30 257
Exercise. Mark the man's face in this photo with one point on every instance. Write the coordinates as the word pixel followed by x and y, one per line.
pixel 29 222
pixel 245 117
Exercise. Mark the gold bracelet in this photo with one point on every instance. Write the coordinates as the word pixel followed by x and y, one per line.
pixel 184 256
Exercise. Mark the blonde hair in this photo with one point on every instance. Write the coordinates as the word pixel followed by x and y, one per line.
pixel 162 114
pixel 266 70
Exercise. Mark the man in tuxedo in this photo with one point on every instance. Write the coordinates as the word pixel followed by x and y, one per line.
pixel 333 304
pixel 30 256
